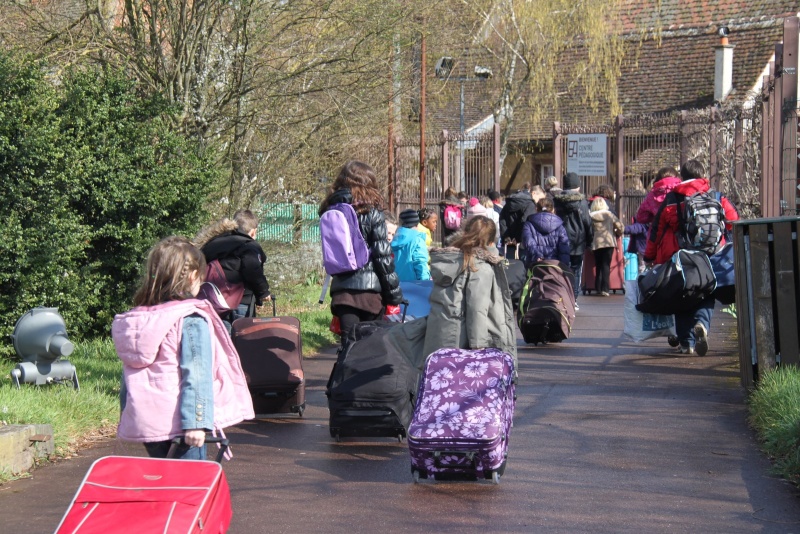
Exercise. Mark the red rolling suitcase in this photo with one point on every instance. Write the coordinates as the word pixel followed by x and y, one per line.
pixel 271 353
pixel 149 495
pixel 616 277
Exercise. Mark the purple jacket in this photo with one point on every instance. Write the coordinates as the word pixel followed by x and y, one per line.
pixel 544 237
pixel 148 341
pixel 638 233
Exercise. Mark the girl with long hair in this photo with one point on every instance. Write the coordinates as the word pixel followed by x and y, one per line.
pixel 470 301
pixel 181 373
pixel 362 295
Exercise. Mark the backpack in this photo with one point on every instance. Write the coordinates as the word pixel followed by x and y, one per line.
pixel 452 217
pixel 232 293
pixel 343 246
pixel 701 222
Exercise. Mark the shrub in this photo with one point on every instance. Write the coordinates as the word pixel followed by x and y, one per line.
pixel 775 415
pixel 95 175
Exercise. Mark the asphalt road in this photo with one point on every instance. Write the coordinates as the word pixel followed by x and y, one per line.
pixel 609 436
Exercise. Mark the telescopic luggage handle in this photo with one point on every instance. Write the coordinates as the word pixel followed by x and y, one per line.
pixel 224 443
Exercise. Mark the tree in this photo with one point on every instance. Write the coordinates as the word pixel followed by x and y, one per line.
pixel 548 49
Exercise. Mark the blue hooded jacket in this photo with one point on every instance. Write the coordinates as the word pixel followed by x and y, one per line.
pixel 410 255
pixel 544 237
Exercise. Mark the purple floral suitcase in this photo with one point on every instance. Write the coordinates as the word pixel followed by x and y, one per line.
pixel 463 415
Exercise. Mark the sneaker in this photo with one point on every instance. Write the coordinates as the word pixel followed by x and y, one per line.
pixel 673 341
pixel 700 339
pixel 604 294
pixel 686 350
pixel 577 307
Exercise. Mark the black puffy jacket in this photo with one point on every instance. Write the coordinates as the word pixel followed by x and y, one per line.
pixel 378 274
pixel 574 211
pixel 242 259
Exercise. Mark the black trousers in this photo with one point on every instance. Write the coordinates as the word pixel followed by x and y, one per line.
pixel 349 317
pixel 602 265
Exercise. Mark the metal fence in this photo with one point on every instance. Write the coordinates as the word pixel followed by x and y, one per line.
pixel 289 223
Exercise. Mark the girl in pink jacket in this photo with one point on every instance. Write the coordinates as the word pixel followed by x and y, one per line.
pixel 181 373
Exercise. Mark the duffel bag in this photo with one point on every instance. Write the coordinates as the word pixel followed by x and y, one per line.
pixel 677 285
pixel 722 264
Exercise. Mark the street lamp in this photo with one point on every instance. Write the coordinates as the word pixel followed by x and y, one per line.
pixel 444 66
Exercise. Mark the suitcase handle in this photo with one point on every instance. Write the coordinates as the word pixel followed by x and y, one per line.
pixel 469 455
pixel 224 443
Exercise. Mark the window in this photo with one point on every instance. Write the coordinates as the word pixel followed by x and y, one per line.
pixel 547 170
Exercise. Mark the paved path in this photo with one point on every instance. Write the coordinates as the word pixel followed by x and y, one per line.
pixel 609 437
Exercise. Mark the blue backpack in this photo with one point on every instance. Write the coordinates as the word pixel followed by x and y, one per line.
pixel 343 247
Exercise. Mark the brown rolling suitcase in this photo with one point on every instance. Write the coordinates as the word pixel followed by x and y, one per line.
pixel 271 353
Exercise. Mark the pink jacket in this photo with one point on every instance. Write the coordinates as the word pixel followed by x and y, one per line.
pixel 148 341
pixel 647 211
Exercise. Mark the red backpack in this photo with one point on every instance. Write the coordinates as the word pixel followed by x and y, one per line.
pixel 233 293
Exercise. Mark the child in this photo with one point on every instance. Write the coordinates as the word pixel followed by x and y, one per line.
pixel 362 295
pixel 470 301
pixel 391 225
pixel 428 221
pixel 607 229
pixel 410 253
pixel 181 374
pixel 544 236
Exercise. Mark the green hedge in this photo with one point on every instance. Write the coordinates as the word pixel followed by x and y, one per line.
pixel 775 416
pixel 94 173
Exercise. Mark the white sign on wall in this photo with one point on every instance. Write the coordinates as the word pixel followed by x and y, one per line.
pixel 587 154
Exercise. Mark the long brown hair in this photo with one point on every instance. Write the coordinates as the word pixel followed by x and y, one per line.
pixel 478 233
pixel 360 179
pixel 166 275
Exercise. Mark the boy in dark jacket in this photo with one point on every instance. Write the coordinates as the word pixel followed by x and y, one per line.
pixel 572 208
pixel 517 209
pixel 241 257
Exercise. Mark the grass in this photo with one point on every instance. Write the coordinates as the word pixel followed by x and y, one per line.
pixel 81 417
pixel 775 416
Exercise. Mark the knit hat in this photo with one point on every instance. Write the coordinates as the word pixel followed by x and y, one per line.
pixel 475 209
pixel 473 202
pixel 409 218
pixel 572 181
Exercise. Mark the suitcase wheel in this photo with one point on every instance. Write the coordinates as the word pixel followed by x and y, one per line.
pixel 417 475
pixel 495 477
pixel 335 434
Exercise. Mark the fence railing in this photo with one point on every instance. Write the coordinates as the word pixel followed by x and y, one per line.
pixel 289 223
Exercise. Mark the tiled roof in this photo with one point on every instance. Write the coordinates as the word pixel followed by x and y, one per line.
pixel 672 14
pixel 674 73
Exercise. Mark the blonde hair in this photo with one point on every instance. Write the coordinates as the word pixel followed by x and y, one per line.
pixel 479 232
pixel 598 204
pixel 486 202
pixel 166 274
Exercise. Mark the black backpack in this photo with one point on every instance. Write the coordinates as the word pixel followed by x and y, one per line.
pixel 701 222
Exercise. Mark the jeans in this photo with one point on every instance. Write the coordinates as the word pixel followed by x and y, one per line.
pixel 685 321
pixel 159 449
pixel 576 264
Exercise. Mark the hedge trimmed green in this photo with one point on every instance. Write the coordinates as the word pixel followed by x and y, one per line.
pixel 94 173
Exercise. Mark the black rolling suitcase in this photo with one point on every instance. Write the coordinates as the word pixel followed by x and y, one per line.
pixel 271 353
pixel 372 386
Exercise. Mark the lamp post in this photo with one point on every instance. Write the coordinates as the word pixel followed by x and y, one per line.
pixel 444 67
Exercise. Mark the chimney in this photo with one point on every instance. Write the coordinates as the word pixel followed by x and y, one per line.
pixel 723 66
